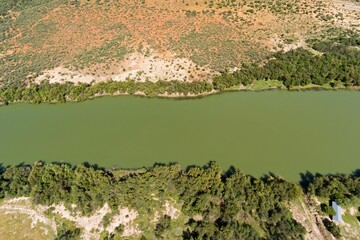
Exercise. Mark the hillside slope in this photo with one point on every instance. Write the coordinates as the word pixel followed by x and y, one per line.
pixel 188 40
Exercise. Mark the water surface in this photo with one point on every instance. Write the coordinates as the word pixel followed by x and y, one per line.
pixel 259 132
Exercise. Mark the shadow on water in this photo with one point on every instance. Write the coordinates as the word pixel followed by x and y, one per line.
pixel 3 167
pixel 94 166
pixel 306 178
pixel 160 164
pixel 192 166
pixel 270 176
pixel 20 165
pixel 42 163
pixel 169 164
pixel 356 173
pixel 62 163
pixel 231 171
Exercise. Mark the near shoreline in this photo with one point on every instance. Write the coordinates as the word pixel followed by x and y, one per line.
pixel 256 86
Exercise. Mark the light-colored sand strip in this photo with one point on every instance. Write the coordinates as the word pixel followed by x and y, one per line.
pixel 92 225
pixel 136 67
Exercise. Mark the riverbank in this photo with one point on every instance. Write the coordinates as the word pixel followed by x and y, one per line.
pixel 69 92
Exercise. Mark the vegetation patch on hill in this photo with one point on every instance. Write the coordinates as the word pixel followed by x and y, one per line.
pixel 328 64
pixel 97 37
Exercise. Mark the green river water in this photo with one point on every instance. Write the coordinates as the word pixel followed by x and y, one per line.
pixel 286 133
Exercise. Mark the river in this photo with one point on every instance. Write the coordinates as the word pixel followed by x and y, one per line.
pixel 283 132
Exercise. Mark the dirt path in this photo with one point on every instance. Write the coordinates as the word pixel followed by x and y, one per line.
pixel 304 211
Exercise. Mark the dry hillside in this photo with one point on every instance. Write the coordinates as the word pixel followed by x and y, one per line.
pixel 186 40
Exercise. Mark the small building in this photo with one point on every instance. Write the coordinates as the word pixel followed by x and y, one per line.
pixel 337 210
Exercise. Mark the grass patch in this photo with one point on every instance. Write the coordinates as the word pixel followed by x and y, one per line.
pixel 266 84
pixel 259 85
pixel 16 226
pixel 350 219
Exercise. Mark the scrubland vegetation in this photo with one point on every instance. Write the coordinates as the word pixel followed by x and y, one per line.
pixel 95 38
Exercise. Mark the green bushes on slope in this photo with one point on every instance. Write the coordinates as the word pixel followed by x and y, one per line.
pixel 301 67
pixel 231 206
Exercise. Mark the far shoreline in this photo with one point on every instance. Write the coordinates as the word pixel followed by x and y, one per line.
pixel 192 96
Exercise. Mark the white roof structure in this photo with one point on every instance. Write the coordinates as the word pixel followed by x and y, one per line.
pixel 338 212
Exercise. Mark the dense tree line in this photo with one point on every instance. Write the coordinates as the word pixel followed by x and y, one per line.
pixel 339 187
pixel 337 60
pixel 46 92
pixel 232 205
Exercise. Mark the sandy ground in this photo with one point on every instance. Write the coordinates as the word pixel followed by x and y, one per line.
pixel 92 225
pixel 278 41
pixel 198 217
pixel 352 211
pixel 135 66
pixel 88 224
pixel 169 210
pixel 351 12
pixel 125 217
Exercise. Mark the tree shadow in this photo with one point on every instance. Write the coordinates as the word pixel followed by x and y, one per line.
pixel 159 164
pixel 205 166
pixel 63 163
pixel 270 176
pixel 94 166
pixel 356 173
pixel 231 171
pixel 2 168
pixel 332 227
pixel 307 178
